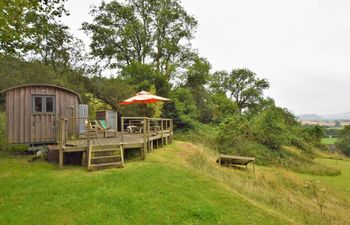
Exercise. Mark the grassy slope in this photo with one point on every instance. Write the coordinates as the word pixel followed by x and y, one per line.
pixel 278 188
pixel 329 141
pixel 341 184
pixel 164 189
pixel 180 184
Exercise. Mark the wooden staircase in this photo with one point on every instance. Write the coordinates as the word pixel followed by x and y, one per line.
pixel 105 156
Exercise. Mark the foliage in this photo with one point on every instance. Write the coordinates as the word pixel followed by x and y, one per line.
pixel 17 148
pixel 274 127
pixel 197 76
pixel 185 107
pixel 242 85
pixel 15 72
pixel 343 142
pixel 142 32
pixel 23 22
pixel 315 132
pixel 331 132
pixel 2 131
pixel 221 107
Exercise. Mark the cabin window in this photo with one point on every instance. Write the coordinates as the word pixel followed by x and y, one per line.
pixel 43 104
pixel 49 104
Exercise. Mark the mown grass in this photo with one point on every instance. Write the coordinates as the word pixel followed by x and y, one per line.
pixel 329 141
pixel 160 190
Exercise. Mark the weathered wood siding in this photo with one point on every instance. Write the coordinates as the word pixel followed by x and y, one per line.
pixel 24 126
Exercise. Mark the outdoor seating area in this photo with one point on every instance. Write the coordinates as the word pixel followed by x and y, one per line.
pixel 54 116
pixel 140 133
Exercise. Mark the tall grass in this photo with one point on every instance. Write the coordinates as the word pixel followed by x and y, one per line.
pixel 275 188
pixel 290 158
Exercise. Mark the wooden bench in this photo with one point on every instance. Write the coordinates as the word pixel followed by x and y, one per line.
pixel 236 160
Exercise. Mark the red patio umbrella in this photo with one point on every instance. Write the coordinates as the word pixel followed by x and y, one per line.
pixel 143 97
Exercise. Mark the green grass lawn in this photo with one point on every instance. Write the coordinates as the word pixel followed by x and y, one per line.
pixel 329 141
pixel 159 190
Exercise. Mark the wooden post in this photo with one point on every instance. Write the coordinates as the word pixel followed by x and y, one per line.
pixel 88 133
pixel 122 129
pixel 148 134
pixel 88 143
pixel 62 142
pixel 254 166
pixel 122 153
pixel 89 158
pixel 171 130
pixel 144 140
pixel 162 132
pixel 60 158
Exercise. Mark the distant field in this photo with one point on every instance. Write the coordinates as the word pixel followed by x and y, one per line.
pixel 329 141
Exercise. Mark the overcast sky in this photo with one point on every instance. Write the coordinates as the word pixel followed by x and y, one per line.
pixel 301 47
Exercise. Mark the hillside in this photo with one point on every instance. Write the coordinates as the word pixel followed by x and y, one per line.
pixel 329 117
pixel 178 184
pixel 161 190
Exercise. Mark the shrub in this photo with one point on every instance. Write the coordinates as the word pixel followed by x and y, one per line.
pixel 17 148
pixel 344 141
pixel 2 131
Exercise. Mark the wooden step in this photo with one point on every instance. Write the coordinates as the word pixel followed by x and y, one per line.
pixel 107 164
pixel 100 157
pixel 105 150
pixel 98 147
pixel 105 157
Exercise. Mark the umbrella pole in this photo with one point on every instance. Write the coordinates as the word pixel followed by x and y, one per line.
pixel 144 110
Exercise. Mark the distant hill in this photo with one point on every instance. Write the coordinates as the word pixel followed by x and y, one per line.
pixel 330 117
pixel 312 117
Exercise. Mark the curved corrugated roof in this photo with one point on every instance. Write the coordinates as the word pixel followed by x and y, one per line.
pixel 42 85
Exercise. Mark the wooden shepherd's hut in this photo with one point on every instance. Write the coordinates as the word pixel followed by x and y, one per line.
pixel 33 112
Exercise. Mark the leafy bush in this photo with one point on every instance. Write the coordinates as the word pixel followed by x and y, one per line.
pixel 344 140
pixel 2 131
pixel 18 148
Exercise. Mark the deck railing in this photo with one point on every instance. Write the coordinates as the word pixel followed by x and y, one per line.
pixel 148 127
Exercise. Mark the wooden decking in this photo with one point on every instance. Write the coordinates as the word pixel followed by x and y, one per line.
pixel 124 142
pixel 129 141
pixel 151 132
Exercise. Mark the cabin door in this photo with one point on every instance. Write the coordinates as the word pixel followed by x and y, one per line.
pixel 44 119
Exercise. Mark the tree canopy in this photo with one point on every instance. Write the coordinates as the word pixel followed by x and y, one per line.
pixel 241 85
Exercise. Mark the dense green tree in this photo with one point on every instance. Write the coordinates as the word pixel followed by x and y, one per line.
pixel 315 133
pixel 57 48
pixel 196 77
pixel 148 32
pixel 241 85
pixel 185 107
pixel 23 21
pixel 274 127
pixel 221 107
pixel 344 140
